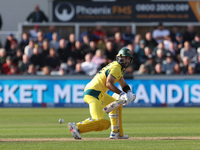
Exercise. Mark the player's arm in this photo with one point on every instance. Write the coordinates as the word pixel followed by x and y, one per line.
pixel 122 98
pixel 124 85
pixel 127 89
pixel 110 84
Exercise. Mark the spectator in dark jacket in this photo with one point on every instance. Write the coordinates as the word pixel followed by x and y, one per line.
pixel 37 15
pixel 37 58
pixel 52 60
pixel 63 52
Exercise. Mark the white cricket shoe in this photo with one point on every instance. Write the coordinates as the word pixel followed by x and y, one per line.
pixel 114 135
pixel 74 130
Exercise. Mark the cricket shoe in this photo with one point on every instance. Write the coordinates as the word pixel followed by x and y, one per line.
pixel 74 130
pixel 114 135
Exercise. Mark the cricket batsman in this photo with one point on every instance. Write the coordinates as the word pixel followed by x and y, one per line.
pixel 97 98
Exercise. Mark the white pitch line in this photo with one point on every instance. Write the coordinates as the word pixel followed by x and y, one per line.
pixel 93 139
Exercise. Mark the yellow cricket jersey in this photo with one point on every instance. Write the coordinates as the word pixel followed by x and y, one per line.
pixel 98 83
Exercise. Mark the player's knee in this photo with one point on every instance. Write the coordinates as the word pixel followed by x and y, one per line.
pixel 104 124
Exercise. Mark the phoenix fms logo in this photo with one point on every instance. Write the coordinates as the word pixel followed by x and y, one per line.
pixel 64 11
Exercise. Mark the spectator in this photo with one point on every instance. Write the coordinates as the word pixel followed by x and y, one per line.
pixel 101 44
pixel 11 40
pixel 24 64
pixel 179 41
pixel 185 64
pixel 86 44
pixel 197 65
pixel 7 65
pixel 37 15
pixel 71 42
pixel 78 53
pixel 142 70
pixel 188 51
pixel 175 52
pixel 55 41
pixel 37 58
pixel 158 69
pixel 177 70
pixel 190 33
pixel 167 42
pixel 110 52
pixel 168 64
pixel 61 72
pixel 149 41
pixel 135 62
pixel 99 31
pixel 147 51
pixel 46 71
pixel 31 70
pixel 118 42
pixel 52 60
pixel 90 34
pixel 196 41
pixel 93 47
pixel 160 33
pixel 140 50
pixel 63 52
pixel 111 35
pixel 173 32
pixel 50 32
pixel 78 70
pixel 2 57
pixel 88 67
pixel 13 49
pixel 34 32
pixel 105 62
pixel 71 64
pixel 150 64
pixel 18 57
pixel 24 41
pixel 13 70
pixel 128 36
pixel 160 46
pixel 28 50
pixel 98 58
pixel 159 57
pixel 45 48
pixel 198 50
pixel 40 39
pixel 191 70
pixel 172 48
pixel 137 43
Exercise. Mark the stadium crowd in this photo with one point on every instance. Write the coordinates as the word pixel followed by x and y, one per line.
pixel 159 52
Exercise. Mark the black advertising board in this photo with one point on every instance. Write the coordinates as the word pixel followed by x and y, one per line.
pixel 126 11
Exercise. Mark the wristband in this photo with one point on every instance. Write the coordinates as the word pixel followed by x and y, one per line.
pixel 126 88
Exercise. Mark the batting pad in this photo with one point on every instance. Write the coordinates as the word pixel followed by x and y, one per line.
pixel 116 120
pixel 93 125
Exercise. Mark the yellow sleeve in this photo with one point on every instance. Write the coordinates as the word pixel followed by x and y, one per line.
pixel 116 72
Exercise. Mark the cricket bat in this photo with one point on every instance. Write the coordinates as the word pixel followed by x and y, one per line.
pixel 114 105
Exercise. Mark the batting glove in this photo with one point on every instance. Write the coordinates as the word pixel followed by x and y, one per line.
pixel 123 96
pixel 130 97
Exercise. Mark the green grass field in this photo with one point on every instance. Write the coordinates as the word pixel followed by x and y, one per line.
pixel 148 128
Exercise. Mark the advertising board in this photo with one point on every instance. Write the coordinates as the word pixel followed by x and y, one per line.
pixel 69 93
